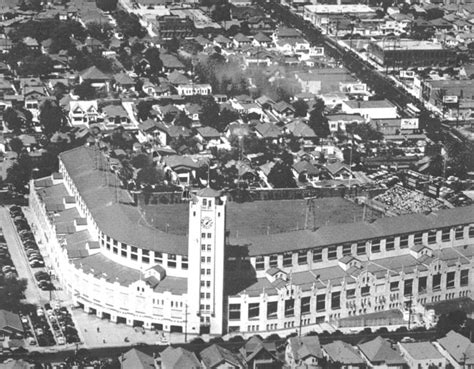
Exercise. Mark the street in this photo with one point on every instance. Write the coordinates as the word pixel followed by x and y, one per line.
pixel 33 294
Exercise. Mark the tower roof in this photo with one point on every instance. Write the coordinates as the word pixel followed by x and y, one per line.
pixel 208 192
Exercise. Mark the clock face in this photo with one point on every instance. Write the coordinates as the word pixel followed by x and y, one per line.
pixel 206 222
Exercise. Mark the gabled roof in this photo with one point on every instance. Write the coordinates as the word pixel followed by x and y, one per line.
pixel 178 78
pixel 135 359
pixel 380 350
pixel 302 347
pixel 208 132
pixel 282 106
pixel 114 111
pixel 179 358
pixel 344 353
pixel 262 37
pixel 306 166
pixel 240 37
pixel 220 39
pixel 171 61
pixel 336 167
pixel 174 161
pixel 268 130
pixel 459 347
pixel 215 355
pixel 94 73
pixel 422 350
pixel 176 131
pixel 300 129
pixel 123 79
pixel 9 320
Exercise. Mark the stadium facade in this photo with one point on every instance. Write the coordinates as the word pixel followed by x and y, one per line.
pixel 117 266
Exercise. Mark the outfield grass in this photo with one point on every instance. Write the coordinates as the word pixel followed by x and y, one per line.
pixel 260 217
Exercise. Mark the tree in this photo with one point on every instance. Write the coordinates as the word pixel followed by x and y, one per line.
pixel 106 5
pixel 16 145
pixel 11 293
pixel 13 121
pixel 152 54
pixel 99 31
pixel 318 122
pixel 36 65
pixel 172 45
pixel 281 176
pixel 227 116
pixel 85 91
pixel 150 175
pixel 364 131
pixel 34 5
pixel 51 117
pixel 19 173
pixel 129 24
pixel 210 114
pixel 183 120
pixel 301 108
pixel 140 161
pixel 143 110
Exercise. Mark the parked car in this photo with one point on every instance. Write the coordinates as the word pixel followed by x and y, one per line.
pixel 37 263
pixel 42 276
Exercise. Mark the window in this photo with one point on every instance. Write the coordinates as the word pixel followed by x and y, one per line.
pixel 115 250
pixel 145 259
pixel 375 246
pixel 234 311
pixel 459 233
pixel 171 261
pixel 146 252
pixel 408 287
pixel 287 259
pixel 305 305
pixel 422 281
pixel 302 257
pixel 209 235
pixel 418 238
pixel 390 244
pixel 320 302
pixel 464 278
pixel 289 308
pixel 184 262
pixel 335 300
pixel 436 282
pixel 134 256
pixel 364 291
pixel 203 235
pixel 272 309
pixel 260 263
pixel 404 242
pixel 123 253
pixel 471 232
pixel 361 248
pixel 394 286
pixel 446 234
pixel 254 310
pixel 158 257
pixel 450 278
pixel 317 255
pixel 273 261
pixel 350 294
pixel 346 249
pixel 203 271
pixel 133 248
pixel 332 252
pixel 432 236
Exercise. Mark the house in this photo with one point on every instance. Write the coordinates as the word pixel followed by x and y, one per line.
pixel 135 359
pixel 194 89
pixel 183 167
pixel 123 82
pixel 259 354
pixel 83 112
pixel 303 351
pixel 268 131
pixel 339 122
pixel 209 135
pixel 381 353
pixel 31 43
pixel 10 324
pixel 339 170
pixel 422 355
pixel 458 350
pixel 240 40
pixel 300 129
pixel 217 357
pixel 95 77
pixel 372 109
pixel 177 358
pixel 283 109
pixel 170 63
pixel 344 354
pixel 222 41
pixel 262 40
pixel 115 114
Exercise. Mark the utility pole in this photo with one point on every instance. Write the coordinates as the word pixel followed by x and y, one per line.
pixel 185 323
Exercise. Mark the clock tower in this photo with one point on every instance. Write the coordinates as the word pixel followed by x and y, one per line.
pixel 206 245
